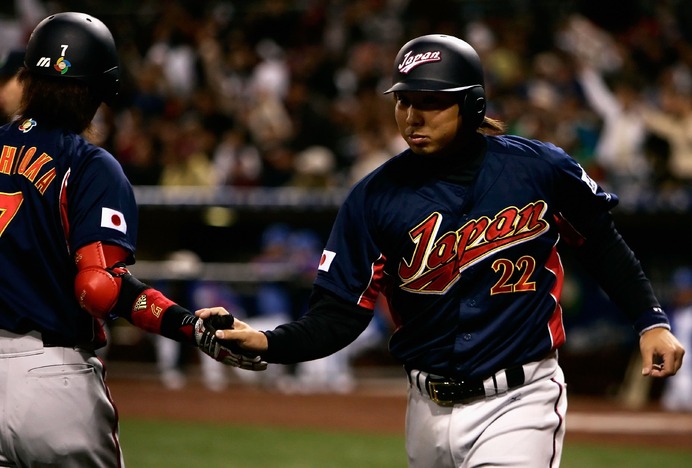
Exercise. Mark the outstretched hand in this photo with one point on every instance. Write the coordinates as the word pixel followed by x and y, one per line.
pixel 661 353
pixel 241 333
pixel 226 352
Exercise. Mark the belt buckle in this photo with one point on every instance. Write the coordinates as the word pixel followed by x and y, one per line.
pixel 433 393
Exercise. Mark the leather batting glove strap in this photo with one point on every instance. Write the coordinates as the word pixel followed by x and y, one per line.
pixel 224 351
pixel 130 290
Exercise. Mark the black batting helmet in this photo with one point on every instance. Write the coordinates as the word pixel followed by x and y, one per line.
pixel 76 46
pixel 438 62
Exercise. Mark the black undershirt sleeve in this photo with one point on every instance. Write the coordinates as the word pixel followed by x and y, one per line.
pixel 607 257
pixel 329 325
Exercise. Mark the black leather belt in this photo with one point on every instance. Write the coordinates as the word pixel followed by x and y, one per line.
pixel 55 341
pixel 447 391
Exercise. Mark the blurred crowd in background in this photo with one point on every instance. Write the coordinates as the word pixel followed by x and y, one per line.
pixel 275 93
pixel 278 92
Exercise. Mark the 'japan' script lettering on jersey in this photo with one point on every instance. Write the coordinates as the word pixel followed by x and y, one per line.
pixel 437 262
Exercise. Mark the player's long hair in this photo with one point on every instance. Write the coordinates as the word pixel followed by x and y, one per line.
pixel 492 126
pixel 57 103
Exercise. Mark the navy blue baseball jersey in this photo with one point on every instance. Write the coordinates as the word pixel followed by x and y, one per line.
pixel 471 272
pixel 58 192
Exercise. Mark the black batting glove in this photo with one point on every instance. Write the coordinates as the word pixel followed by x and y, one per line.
pixel 224 351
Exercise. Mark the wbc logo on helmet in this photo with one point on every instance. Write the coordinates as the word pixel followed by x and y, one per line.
pixel 410 61
pixel 62 65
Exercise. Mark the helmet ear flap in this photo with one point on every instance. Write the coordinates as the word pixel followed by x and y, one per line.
pixel 109 85
pixel 473 107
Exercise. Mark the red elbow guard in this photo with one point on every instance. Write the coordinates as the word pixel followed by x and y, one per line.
pixel 96 290
pixel 104 286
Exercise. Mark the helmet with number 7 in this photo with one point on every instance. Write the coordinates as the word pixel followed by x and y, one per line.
pixel 75 46
pixel 439 62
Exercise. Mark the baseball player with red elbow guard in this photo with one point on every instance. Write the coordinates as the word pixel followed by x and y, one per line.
pixel 460 232
pixel 68 223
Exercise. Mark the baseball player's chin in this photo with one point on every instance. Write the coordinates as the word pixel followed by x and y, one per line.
pixel 422 148
pixel 428 152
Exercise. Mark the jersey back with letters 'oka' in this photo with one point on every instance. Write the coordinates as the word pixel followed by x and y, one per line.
pixel 58 192
pixel 471 273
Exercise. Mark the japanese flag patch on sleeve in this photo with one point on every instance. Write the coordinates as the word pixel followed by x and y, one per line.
pixel 326 260
pixel 113 219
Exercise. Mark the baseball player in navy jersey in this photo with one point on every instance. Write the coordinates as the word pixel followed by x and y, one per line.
pixel 460 232
pixel 68 223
